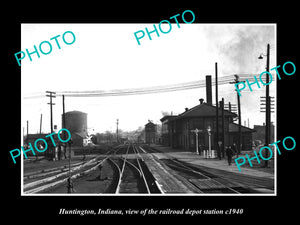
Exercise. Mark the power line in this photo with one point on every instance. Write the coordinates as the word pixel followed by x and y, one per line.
pixel 146 90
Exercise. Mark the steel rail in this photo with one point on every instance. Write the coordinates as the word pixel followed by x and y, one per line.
pixel 194 171
pixel 143 175
pixel 155 181
pixel 119 170
pixel 122 171
pixel 47 179
pixel 31 185
pixel 46 172
pixel 52 184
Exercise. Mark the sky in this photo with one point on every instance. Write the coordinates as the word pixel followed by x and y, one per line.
pixel 107 57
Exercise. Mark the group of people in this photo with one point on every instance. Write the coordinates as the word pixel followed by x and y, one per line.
pixel 230 151
pixel 57 152
pixel 60 150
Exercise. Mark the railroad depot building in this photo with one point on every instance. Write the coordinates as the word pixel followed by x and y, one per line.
pixel 177 130
pixel 150 133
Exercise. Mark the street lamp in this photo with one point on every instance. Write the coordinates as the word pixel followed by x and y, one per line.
pixel 209 139
pixel 196 131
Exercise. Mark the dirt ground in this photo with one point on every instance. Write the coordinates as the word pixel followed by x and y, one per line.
pixel 44 164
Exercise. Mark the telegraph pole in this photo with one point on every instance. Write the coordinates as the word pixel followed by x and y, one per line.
pixel 268 106
pixel 64 116
pixel 23 135
pixel 27 133
pixel 240 123
pixel 217 112
pixel 64 126
pixel 117 130
pixel 69 181
pixel 41 123
pixel 223 128
pixel 51 117
pixel 236 80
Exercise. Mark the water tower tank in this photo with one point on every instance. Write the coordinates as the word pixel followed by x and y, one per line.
pixel 76 122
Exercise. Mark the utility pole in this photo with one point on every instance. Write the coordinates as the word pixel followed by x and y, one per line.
pixel 23 136
pixel 268 104
pixel 217 112
pixel 268 110
pixel 117 130
pixel 236 80
pixel 64 116
pixel 64 126
pixel 230 107
pixel 51 119
pixel 27 133
pixel 240 121
pixel 69 181
pixel 41 123
pixel 223 128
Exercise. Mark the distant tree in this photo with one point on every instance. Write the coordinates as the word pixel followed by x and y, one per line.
pixel 94 138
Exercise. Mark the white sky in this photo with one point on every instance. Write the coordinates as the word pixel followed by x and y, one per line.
pixel 107 56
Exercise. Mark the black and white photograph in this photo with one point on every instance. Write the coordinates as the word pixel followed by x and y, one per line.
pixel 148 116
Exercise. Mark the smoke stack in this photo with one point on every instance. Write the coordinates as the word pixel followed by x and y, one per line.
pixel 208 90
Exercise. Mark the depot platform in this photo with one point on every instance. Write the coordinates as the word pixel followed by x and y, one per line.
pixel 200 160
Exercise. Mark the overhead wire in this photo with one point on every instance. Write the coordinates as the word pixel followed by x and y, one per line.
pixel 228 79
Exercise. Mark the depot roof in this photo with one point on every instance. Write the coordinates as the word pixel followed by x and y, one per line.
pixel 204 110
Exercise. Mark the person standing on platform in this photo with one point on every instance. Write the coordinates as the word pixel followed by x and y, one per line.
pixel 200 149
pixel 229 153
pixel 59 151
pixel 65 150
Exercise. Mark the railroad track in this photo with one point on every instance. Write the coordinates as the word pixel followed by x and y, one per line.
pixel 133 176
pixel 57 176
pixel 48 172
pixel 201 180
pixel 52 181
pixel 129 174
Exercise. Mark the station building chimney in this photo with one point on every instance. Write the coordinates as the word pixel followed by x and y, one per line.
pixel 208 90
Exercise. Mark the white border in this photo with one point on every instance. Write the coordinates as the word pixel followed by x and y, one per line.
pixel 164 195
